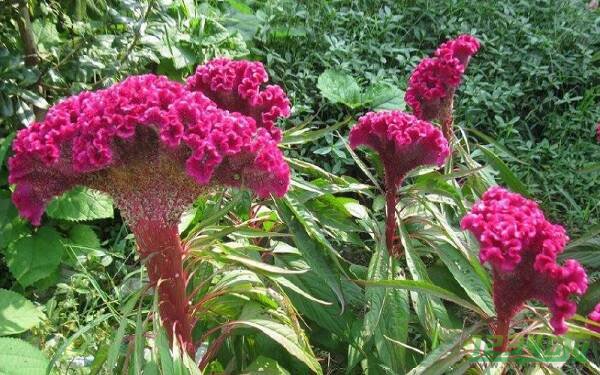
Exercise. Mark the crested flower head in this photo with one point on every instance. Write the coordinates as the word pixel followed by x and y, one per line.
pixel 237 86
pixel 434 80
pixel 402 141
pixel 152 144
pixel 594 316
pixel 522 247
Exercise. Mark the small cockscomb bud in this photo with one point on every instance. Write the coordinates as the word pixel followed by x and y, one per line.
pixel 594 316
pixel 522 247
pixel 237 87
pixel 403 143
pixel 433 82
pixel 462 48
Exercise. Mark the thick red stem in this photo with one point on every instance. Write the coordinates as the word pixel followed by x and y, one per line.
pixel 446 117
pixel 160 246
pixel 501 328
pixel 394 247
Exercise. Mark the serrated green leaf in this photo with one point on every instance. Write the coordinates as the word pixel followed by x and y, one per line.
pixel 81 204
pixel 83 237
pixel 17 314
pixel 18 357
pixel 339 87
pixel 384 97
pixel 35 257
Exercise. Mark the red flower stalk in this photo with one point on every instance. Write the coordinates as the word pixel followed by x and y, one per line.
pixel 154 145
pixel 432 84
pixel 403 143
pixel 598 132
pixel 594 316
pixel 522 247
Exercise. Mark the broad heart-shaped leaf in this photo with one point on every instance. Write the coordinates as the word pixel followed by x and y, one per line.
pixel 339 87
pixel 81 204
pixel 382 97
pixel 35 257
pixel 18 357
pixel 17 314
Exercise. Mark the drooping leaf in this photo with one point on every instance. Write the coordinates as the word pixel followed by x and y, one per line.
pixel 17 314
pixel 81 204
pixel 35 257
pixel 383 97
pixel 18 357
pixel 286 337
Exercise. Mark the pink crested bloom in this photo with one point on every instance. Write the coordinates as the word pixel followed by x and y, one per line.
pixel 403 143
pixel 432 84
pixel 154 145
pixel 594 316
pixel 236 85
pixel 522 247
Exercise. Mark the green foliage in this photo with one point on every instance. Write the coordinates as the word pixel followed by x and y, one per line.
pixel 18 357
pixel 81 204
pixel 17 314
pixel 34 257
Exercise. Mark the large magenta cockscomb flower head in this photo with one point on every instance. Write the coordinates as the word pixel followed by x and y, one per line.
pixel 154 145
pixel 433 82
pixel 522 247
pixel 403 143
pixel 594 316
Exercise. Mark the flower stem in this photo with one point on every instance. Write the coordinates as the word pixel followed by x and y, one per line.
pixel 393 246
pixel 501 332
pixel 160 246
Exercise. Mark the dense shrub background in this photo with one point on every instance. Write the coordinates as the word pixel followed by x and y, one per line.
pixel 534 87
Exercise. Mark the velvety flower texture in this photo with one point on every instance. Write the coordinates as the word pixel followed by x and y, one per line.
pixel 154 145
pixel 522 247
pixel 432 84
pixel 87 138
pixel 403 143
pixel 595 317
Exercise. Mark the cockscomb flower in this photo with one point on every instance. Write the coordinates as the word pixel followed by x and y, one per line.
pixel 522 247
pixel 154 146
pixel 432 84
pixel 236 85
pixel 594 316
pixel 403 143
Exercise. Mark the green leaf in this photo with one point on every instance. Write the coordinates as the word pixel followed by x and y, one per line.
pixel 35 257
pixel 286 337
pixel 81 204
pixel 17 314
pixel 422 286
pixel 383 97
pixel 83 237
pixel 18 357
pixel 265 366
pixel 6 142
pixel 466 276
pixel 339 87
pixel 11 225
pixel 507 176
pixel 445 355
